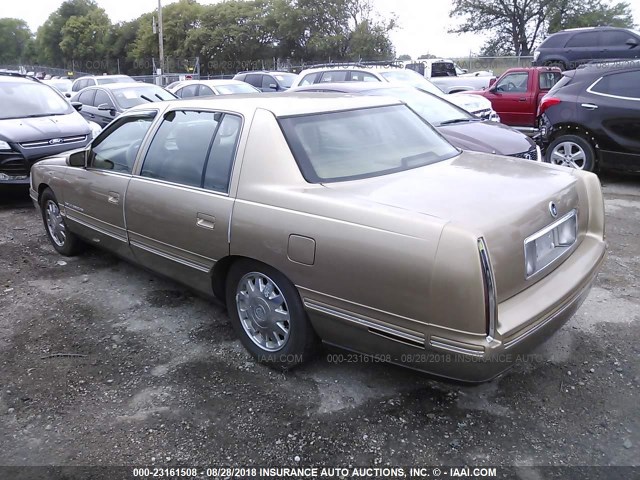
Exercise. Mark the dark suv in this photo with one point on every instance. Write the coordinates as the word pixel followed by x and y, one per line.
pixel 35 121
pixel 591 117
pixel 267 81
pixel 570 48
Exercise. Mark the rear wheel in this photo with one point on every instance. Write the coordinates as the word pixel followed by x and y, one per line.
pixel 63 240
pixel 572 151
pixel 267 314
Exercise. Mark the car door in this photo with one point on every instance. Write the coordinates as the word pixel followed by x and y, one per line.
pixel 86 98
pixel 583 47
pixel 105 109
pixel 94 196
pixel 611 107
pixel 178 207
pixel 511 97
pixel 619 44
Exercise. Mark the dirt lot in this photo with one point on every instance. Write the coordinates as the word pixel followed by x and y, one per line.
pixel 160 379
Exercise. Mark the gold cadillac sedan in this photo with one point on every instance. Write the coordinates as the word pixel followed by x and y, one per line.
pixel 347 220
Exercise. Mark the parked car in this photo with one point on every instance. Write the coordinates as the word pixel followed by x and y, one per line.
pixel 515 96
pixel 570 48
pixel 333 73
pixel 267 81
pixel 442 73
pixel 359 225
pixel 462 129
pixel 63 85
pixel 591 117
pixel 104 103
pixel 90 81
pixel 35 121
pixel 207 88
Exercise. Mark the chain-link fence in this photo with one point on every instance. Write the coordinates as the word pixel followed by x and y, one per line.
pixel 43 70
pixel 497 65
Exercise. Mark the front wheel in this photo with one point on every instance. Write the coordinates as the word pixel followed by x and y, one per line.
pixel 267 314
pixel 572 151
pixel 63 240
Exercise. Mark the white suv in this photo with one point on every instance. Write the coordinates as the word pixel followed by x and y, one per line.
pixel 475 104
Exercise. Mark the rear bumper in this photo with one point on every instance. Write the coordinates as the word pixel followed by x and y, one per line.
pixel 524 321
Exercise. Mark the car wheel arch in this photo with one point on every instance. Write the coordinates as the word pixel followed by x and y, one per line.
pixel 575 129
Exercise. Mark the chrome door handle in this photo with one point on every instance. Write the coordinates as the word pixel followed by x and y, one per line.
pixel 205 221
pixel 114 198
pixel 588 106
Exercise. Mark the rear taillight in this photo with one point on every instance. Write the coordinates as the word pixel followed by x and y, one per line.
pixel 547 102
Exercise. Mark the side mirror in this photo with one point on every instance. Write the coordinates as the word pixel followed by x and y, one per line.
pixel 105 107
pixel 632 42
pixel 273 86
pixel 68 95
pixel 492 81
pixel 77 106
pixel 79 159
pixel 464 70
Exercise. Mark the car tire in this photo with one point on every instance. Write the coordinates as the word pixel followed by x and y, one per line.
pixel 268 316
pixel 63 240
pixel 572 151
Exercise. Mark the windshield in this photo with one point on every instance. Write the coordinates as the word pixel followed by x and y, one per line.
pixel 285 79
pixel 135 95
pixel 122 79
pixel 431 108
pixel 30 99
pixel 232 88
pixel 362 143
pixel 413 78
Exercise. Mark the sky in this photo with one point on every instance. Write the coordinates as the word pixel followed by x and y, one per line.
pixel 423 23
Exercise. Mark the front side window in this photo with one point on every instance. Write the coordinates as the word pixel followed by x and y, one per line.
pixel 513 83
pixel 268 83
pixel 609 38
pixel 102 98
pixel 86 97
pixel 116 148
pixel 625 84
pixel 205 91
pixel 188 91
pixel 362 143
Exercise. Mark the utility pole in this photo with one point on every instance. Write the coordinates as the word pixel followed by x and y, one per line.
pixel 160 40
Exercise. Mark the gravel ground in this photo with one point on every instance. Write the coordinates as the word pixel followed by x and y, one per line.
pixel 155 375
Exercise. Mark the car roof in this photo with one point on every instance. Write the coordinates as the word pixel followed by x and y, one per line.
pixel 271 72
pixel 119 85
pixel 85 77
pixel 213 83
pixel 367 69
pixel 351 87
pixel 279 104
pixel 13 77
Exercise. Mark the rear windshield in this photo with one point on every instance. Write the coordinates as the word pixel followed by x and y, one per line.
pixel 232 88
pixel 30 99
pixel 565 80
pixel 105 80
pixel 443 69
pixel 355 144
pixel 413 78
pixel 130 97
pixel 285 79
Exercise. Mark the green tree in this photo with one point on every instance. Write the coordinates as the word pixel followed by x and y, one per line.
pixel 516 26
pixel 49 35
pixel 589 13
pixel 86 41
pixel 16 40
pixel 404 57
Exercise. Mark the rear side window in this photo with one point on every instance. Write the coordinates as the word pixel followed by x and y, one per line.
pixel 549 79
pixel 309 79
pixel 329 77
pixel 362 77
pixel 223 151
pixel 584 39
pixel 625 84
pixel 555 41
pixel 255 80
